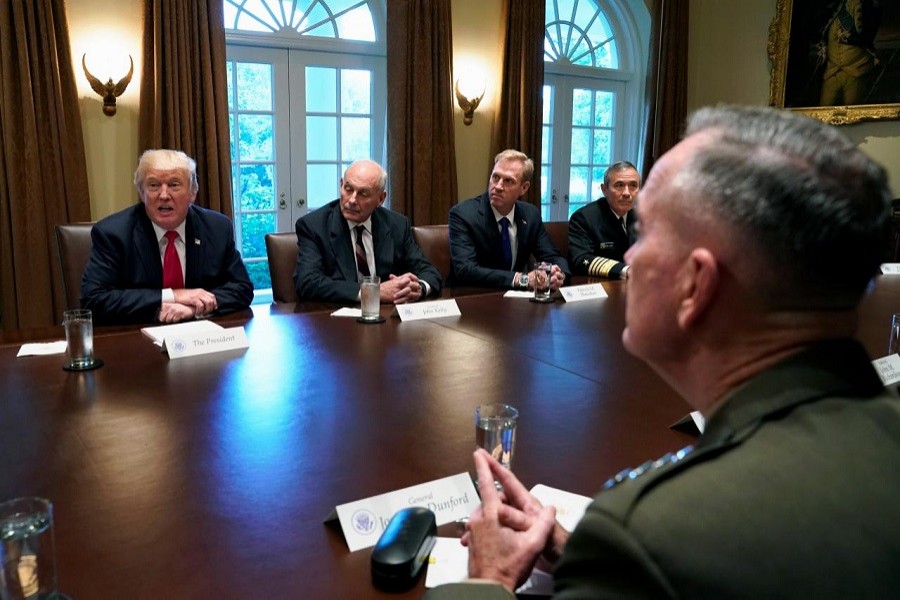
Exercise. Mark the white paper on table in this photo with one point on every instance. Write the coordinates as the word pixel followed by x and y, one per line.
pixel 449 560
pixel 449 563
pixel 890 268
pixel 518 294
pixel 347 312
pixel 42 349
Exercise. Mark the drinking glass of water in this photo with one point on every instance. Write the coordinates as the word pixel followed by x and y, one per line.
pixel 370 299
pixel 894 341
pixel 495 431
pixel 27 554
pixel 79 339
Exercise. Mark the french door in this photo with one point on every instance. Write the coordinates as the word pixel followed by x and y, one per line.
pixel 583 121
pixel 298 118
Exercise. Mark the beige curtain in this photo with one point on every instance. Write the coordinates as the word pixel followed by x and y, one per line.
pixel 184 91
pixel 518 122
pixel 43 174
pixel 421 153
pixel 666 78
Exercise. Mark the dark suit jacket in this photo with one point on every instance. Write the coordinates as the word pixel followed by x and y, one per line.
pixel 122 282
pixel 791 492
pixel 597 242
pixel 326 264
pixel 475 250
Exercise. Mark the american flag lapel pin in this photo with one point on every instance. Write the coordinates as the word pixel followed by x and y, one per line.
pixel 196 242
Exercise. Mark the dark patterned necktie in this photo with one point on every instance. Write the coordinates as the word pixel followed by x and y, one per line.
pixel 362 264
pixel 505 244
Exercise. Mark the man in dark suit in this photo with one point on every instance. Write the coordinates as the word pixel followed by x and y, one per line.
pixel 355 236
pixel 760 233
pixel 164 259
pixel 493 235
pixel 601 232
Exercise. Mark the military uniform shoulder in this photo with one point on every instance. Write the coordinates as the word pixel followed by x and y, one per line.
pixel 629 484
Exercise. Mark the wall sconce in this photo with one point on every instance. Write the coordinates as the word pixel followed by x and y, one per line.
pixel 109 91
pixel 469 98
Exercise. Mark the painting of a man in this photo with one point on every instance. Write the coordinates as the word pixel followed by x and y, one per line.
pixel 846 49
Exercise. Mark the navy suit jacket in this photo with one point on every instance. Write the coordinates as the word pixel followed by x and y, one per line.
pixel 595 232
pixel 122 282
pixel 475 250
pixel 326 263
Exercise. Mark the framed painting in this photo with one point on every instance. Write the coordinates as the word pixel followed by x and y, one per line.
pixel 836 60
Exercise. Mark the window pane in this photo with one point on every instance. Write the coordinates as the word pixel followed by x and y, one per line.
pixel 321 89
pixel 258 271
pixel 257 188
pixel 321 138
pixel 596 180
pixel 545 143
pixel 356 88
pixel 255 132
pixel 545 185
pixel 548 103
pixel 232 136
pixel 602 147
pixel 355 138
pixel 603 109
pixel 578 185
pixel 581 146
pixel 254 227
pixel 322 183
pixel 229 74
pixel 581 107
pixel 357 25
pixel 254 86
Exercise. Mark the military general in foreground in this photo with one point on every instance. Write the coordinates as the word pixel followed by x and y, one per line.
pixel 759 234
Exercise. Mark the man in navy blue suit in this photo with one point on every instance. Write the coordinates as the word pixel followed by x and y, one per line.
pixel 355 236
pixel 123 282
pixel 493 236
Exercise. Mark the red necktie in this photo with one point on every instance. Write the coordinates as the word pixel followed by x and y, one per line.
pixel 172 276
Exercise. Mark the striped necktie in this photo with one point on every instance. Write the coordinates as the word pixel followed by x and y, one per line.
pixel 362 264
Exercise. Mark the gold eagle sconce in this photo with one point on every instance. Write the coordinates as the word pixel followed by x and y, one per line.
pixel 468 105
pixel 109 91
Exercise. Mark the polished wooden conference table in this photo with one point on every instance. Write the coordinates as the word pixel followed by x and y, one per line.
pixel 210 477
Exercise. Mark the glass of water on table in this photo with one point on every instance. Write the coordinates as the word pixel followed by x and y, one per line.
pixel 495 431
pixel 27 552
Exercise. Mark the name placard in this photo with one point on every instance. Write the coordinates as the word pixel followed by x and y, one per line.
pixel 888 369
pixel 577 293
pixel 428 310
pixel 195 344
pixel 363 521
pixel 890 268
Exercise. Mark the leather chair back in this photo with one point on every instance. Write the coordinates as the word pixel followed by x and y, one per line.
pixel 73 246
pixel 559 233
pixel 434 241
pixel 281 249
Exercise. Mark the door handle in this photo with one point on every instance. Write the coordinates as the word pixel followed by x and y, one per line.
pixel 301 202
pixel 282 203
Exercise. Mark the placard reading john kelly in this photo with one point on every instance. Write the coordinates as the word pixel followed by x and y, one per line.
pixel 363 521
pixel 428 310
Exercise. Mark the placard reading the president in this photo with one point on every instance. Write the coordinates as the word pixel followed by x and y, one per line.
pixel 363 521
pixel 206 342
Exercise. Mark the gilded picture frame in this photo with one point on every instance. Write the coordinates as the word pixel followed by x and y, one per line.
pixel 807 41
